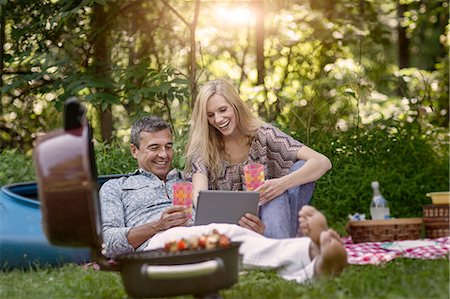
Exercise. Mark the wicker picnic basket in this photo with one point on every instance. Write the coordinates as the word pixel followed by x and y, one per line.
pixel 436 220
pixel 384 230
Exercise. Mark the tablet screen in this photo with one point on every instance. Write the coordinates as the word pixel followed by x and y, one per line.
pixel 217 206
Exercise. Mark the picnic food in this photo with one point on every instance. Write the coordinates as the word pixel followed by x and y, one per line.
pixel 211 240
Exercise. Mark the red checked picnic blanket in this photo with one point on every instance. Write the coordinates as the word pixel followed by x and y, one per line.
pixel 376 253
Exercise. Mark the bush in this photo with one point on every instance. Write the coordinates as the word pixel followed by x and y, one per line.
pixel 407 161
pixel 15 167
pixel 114 159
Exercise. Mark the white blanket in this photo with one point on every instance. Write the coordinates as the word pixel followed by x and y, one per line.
pixel 289 256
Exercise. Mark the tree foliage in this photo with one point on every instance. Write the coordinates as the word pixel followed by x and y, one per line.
pixel 327 66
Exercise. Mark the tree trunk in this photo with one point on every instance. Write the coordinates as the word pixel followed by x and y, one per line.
pixel 403 47
pixel 193 57
pixel 259 30
pixel 106 123
pixel 192 26
pixel 102 65
pixel 403 41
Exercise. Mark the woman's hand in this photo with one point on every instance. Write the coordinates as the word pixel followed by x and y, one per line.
pixel 269 190
pixel 253 223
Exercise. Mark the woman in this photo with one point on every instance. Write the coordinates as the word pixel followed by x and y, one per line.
pixel 225 135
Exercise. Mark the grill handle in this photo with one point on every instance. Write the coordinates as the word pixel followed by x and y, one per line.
pixel 182 271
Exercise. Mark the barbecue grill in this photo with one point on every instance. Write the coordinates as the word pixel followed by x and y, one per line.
pixel 68 190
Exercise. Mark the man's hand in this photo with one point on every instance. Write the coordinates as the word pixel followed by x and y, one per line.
pixel 253 223
pixel 172 216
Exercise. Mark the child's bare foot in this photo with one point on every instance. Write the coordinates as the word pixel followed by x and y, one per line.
pixel 333 257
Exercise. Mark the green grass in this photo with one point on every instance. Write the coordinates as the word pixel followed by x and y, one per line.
pixel 401 278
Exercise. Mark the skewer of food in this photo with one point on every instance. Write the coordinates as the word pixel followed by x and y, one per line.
pixel 212 240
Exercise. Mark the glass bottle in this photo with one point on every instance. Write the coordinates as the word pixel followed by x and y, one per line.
pixel 379 209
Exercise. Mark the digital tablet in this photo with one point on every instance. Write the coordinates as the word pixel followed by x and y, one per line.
pixel 217 206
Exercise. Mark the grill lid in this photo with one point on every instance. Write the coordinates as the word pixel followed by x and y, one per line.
pixel 67 182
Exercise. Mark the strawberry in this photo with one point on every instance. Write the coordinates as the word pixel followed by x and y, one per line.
pixel 202 242
pixel 182 245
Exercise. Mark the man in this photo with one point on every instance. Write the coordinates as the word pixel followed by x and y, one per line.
pixel 137 215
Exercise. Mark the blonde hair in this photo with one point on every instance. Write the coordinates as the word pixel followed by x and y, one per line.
pixel 205 142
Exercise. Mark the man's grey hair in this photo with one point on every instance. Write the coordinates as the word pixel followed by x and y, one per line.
pixel 149 124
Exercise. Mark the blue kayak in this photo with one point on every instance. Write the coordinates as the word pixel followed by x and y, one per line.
pixel 23 243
